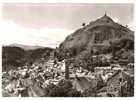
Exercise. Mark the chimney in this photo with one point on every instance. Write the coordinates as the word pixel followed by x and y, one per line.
pixel 66 69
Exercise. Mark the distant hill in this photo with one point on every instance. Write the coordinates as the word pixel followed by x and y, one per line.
pixel 102 36
pixel 25 47
pixel 13 57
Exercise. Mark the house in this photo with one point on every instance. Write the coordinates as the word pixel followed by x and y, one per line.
pixel 105 69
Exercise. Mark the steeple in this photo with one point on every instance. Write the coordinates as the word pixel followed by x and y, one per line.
pixel 105 18
pixel 105 14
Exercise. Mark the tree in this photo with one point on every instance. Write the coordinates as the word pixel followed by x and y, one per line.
pixel 83 24
pixel 74 93
pixel 63 89
pixel 91 92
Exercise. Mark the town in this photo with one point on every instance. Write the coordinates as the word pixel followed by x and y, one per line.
pixel 112 78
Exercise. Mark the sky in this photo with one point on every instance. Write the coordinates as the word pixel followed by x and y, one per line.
pixel 49 24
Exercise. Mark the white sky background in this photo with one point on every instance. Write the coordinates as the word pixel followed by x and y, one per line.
pixel 48 25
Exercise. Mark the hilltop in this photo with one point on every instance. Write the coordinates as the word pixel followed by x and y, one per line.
pixel 102 36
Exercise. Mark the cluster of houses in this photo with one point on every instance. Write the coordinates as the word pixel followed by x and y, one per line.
pixel 114 78
pixel 43 74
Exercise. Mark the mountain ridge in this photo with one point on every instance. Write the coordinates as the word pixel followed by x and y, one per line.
pixel 26 47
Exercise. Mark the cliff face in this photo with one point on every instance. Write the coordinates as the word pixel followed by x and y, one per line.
pixel 100 32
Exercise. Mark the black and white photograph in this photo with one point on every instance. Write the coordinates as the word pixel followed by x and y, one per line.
pixel 67 49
